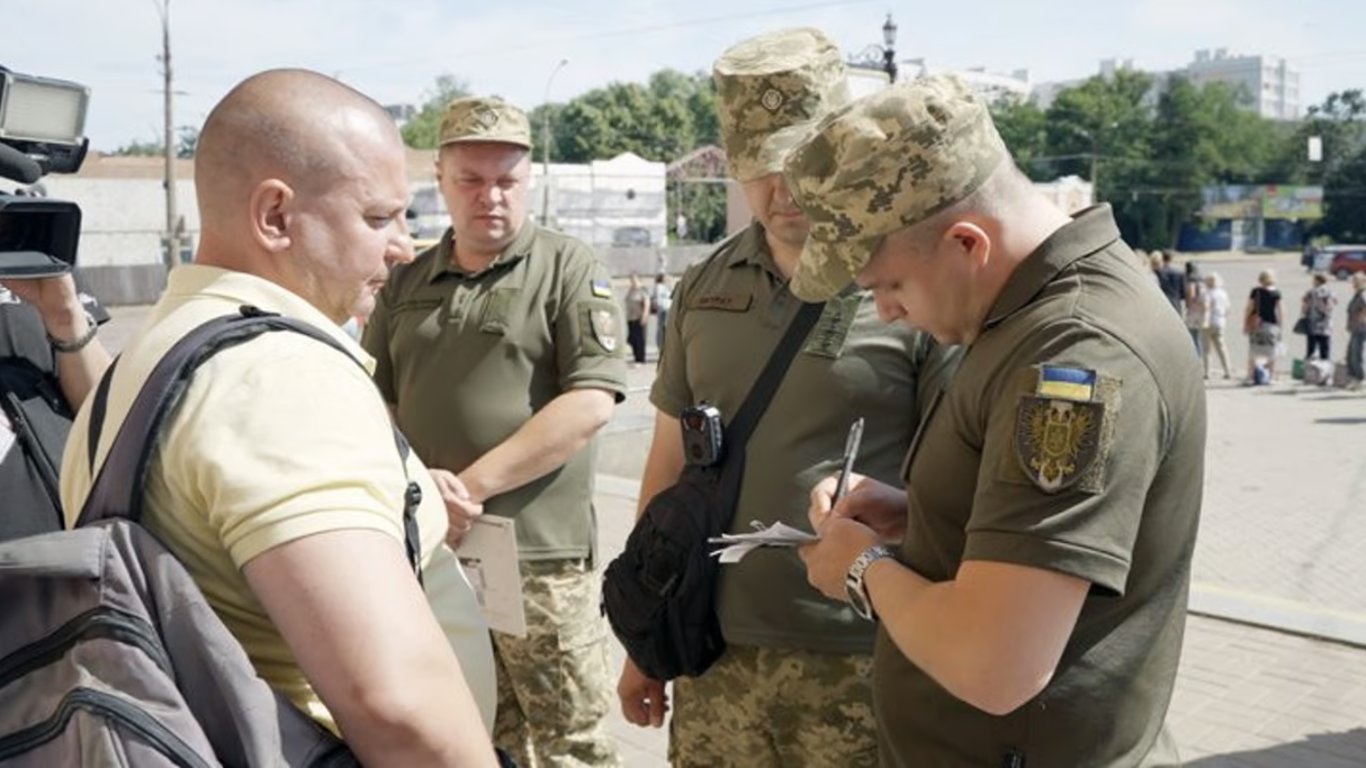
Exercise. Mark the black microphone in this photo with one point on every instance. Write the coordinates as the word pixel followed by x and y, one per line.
pixel 18 166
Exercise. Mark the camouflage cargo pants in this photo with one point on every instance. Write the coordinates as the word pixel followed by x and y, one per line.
pixel 554 687
pixel 762 707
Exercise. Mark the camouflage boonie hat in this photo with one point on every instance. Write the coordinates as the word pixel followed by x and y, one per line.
pixel 771 90
pixel 480 118
pixel 881 164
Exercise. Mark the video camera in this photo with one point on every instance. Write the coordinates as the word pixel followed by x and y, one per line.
pixel 42 122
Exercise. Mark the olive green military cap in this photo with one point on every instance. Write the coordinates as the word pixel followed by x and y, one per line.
pixel 770 90
pixel 484 118
pixel 881 164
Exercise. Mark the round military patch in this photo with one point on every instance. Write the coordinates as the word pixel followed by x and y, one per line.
pixel 772 99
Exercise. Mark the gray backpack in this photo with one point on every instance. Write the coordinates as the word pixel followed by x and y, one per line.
pixel 109 654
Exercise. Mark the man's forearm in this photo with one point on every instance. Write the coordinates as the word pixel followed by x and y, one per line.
pixel 543 444
pixel 78 371
pixel 991 646
pixel 664 463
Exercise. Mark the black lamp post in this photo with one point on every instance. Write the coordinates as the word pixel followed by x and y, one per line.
pixel 879 57
pixel 889 47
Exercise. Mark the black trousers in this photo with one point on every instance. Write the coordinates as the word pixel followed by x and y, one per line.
pixel 1317 341
pixel 635 336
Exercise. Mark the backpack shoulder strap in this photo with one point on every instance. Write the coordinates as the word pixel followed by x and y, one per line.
pixel 116 489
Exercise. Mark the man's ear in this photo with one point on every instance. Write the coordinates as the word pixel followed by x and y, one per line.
pixel 272 211
pixel 970 240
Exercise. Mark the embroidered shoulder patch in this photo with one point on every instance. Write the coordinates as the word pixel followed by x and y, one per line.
pixel 604 325
pixel 1057 440
pixel 1064 431
pixel 1066 383
pixel 602 289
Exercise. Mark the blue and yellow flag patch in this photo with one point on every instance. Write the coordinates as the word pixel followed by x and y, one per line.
pixel 602 289
pixel 1066 383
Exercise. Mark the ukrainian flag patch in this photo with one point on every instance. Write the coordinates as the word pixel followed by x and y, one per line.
pixel 602 289
pixel 1076 384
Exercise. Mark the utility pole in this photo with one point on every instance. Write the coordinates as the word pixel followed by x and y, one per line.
pixel 172 252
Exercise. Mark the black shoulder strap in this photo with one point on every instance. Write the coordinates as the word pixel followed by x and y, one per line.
pixel 97 410
pixel 742 425
pixel 116 489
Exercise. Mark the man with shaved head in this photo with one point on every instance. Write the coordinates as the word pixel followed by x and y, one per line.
pixel 277 484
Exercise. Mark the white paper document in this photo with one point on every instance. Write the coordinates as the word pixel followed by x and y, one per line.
pixel 489 555
pixel 737 545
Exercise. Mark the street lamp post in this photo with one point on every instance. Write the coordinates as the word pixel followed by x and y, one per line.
pixel 889 47
pixel 879 57
pixel 545 143
pixel 172 253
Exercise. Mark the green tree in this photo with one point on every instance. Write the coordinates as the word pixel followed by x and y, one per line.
pixel 624 117
pixel 1024 127
pixel 421 131
pixel 1101 130
pixel 1340 124
pixel 187 142
pixel 141 149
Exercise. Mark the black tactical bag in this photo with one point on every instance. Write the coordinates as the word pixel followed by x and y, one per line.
pixel 660 593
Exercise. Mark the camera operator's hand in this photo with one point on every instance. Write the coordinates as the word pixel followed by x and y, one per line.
pixel 65 319
pixel 56 300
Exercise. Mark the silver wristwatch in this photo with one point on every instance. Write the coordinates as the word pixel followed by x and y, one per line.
pixel 854 588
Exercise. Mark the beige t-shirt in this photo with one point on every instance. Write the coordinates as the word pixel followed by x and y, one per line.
pixel 275 439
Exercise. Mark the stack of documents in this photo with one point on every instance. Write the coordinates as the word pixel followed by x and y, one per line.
pixel 737 545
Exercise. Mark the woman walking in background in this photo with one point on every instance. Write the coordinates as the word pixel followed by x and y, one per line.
pixel 1262 324
pixel 1217 303
pixel 660 303
pixel 637 310
pixel 1356 327
pixel 1317 309
pixel 1197 307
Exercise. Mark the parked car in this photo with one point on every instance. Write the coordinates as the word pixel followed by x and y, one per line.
pixel 627 237
pixel 1347 261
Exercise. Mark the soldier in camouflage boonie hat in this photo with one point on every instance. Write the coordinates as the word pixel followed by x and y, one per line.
pixel 484 118
pixel 881 164
pixel 770 90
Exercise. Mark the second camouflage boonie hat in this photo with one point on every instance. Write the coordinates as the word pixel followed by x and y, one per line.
pixel 770 90
pixel 484 118
pixel 883 163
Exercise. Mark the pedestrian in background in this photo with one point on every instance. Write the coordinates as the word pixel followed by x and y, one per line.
pixel 1317 309
pixel 1197 307
pixel 1356 327
pixel 637 311
pixel 1172 281
pixel 1216 299
pixel 1262 323
pixel 661 301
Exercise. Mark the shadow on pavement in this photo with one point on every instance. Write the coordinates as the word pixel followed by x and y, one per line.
pixel 1344 420
pixel 1320 750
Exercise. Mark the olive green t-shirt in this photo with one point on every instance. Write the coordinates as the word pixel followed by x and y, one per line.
pixel 728 314
pixel 1071 440
pixel 466 359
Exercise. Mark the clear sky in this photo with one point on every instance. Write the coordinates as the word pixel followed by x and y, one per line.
pixel 394 49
